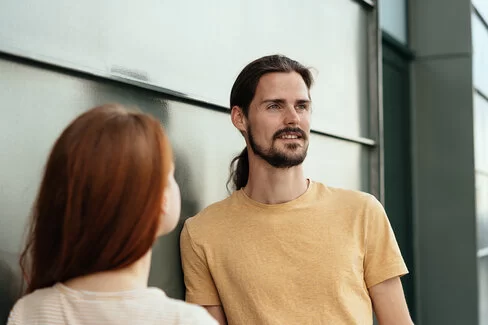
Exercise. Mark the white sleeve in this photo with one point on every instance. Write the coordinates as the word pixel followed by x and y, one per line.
pixel 14 317
pixel 200 316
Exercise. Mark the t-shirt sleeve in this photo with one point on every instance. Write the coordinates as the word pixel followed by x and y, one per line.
pixel 383 259
pixel 200 286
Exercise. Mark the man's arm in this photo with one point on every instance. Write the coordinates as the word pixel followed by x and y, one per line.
pixel 389 303
pixel 218 313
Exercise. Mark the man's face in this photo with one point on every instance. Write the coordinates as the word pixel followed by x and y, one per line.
pixel 278 126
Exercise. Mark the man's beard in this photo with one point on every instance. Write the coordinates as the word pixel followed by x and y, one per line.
pixel 276 158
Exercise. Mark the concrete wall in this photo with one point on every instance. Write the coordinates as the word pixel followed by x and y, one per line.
pixel 443 162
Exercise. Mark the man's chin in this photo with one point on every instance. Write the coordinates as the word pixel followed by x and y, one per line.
pixel 295 159
pixel 293 153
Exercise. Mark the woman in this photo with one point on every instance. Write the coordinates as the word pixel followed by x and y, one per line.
pixel 107 193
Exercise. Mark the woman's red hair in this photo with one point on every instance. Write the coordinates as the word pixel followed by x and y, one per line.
pixel 100 200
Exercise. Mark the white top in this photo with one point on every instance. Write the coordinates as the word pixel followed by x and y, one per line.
pixel 62 305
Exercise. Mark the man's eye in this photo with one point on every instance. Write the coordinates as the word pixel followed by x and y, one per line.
pixel 302 107
pixel 273 106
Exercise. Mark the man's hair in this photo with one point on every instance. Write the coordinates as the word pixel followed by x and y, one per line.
pixel 242 94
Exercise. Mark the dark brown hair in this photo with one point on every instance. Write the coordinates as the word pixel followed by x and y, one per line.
pixel 242 94
pixel 99 204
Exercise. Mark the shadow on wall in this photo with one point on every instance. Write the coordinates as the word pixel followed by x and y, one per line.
pixel 166 271
pixel 81 93
pixel 9 285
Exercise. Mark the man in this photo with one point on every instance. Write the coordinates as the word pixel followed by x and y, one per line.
pixel 283 249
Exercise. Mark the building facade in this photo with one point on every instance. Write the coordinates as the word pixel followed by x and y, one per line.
pixel 435 70
pixel 400 111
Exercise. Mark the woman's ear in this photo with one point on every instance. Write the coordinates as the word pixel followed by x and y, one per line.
pixel 165 205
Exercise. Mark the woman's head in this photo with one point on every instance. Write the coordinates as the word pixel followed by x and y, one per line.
pixel 107 192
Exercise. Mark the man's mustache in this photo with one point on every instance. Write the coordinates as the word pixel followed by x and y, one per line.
pixel 279 133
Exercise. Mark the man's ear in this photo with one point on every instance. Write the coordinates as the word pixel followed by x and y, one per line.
pixel 238 118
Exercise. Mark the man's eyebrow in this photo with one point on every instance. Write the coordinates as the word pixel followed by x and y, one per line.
pixel 273 100
pixel 281 101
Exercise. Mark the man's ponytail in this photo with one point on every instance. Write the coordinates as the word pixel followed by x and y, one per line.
pixel 240 173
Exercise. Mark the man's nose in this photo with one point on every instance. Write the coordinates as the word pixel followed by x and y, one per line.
pixel 292 116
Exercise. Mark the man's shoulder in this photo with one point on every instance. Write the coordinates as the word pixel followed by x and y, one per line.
pixel 341 193
pixel 213 214
pixel 355 200
pixel 350 202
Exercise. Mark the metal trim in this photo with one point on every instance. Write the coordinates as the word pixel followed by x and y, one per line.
pixel 369 4
pixel 483 252
pixel 481 93
pixel 481 172
pixel 123 76
pixel 358 140
pixel 171 94
pixel 480 16
pixel 377 183
pixel 399 47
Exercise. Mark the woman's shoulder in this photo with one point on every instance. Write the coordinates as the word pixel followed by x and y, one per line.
pixel 31 302
pixel 151 304
pixel 40 295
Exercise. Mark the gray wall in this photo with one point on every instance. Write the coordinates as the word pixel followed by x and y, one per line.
pixel 197 48
pixel 37 103
pixel 443 162
pixel 71 68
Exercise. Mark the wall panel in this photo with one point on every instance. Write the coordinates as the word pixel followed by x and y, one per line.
pixel 37 103
pixel 171 44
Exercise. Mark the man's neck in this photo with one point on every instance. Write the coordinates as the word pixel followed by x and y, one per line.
pixel 270 185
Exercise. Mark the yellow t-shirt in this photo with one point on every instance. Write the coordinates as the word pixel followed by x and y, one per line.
pixel 307 261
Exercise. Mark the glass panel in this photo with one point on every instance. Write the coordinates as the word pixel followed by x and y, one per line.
pixel 482 210
pixel 481 155
pixel 480 54
pixel 481 133
pixel 172 45
pixel 393 18
pixel 204 143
